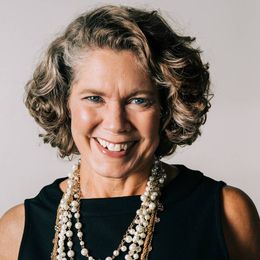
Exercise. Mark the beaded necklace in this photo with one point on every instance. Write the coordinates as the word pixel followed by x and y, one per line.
pixel 135 244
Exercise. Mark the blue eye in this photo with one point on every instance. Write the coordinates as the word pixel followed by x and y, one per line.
pixel 94 99
pixel 141 101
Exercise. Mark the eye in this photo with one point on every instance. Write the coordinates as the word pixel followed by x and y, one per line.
pixel 94 99
pixel 141 101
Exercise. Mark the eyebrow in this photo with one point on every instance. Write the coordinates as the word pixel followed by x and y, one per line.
pixel 134 93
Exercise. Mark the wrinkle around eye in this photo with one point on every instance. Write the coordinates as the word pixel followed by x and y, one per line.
pixel 145 102
pixel 94 99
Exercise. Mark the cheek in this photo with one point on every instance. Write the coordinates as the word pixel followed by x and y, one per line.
pixel 148 125
pixel 82 120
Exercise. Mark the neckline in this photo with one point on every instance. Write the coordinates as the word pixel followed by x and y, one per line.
pixel 180 174
pixel 114 206
pixel 177 189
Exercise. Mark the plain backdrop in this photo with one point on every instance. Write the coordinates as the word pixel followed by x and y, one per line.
pixel 226 30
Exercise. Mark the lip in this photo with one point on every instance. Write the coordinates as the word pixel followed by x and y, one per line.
pixel 113 154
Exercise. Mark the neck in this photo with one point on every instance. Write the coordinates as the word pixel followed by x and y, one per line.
pixel 94 185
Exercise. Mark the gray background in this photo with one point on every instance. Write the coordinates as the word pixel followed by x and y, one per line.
pixel 227 31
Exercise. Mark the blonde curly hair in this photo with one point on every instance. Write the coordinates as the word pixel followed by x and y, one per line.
pixel 174 66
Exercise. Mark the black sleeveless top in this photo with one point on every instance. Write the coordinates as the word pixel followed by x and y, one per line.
pixel 189 228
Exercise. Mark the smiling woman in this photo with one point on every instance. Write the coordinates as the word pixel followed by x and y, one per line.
pixel 119 89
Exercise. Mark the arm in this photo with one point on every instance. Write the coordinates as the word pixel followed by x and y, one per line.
pixel 11 230
pixel 241 225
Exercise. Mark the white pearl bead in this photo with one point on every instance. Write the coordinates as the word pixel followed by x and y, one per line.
pixel 140 242
pixel 152 206
pixel 78 225
pixel 64 219
pixel 147 216
pixel 131 252
pixel 76 215
pixel 74 203
pixel 128 257
pixel 161 180
pixel 131 231
pixel 90 258
pixel 135 238
pixel 123 248
pixel 128 239
pixel 143 198
pixel 142 235
pixel 135 256
pixel 153 197
pixel 139 229
pixel 79 234
pixel 138 249
pixel 73 209
pixel 61 236
pixel 116 253
pixel 132 247
pixel 84 251
pixel 69 233
pixel 145 223
pixel 69 224
pixel 82 243
pixel 70 253
pixel 63 227
pixel 70 243
pixel 108 258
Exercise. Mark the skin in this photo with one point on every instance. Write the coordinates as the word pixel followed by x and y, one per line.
pixel 119 116
pixel 114 99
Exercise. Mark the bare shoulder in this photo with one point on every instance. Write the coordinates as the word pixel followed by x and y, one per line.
pixel 11 230
pixel 241 224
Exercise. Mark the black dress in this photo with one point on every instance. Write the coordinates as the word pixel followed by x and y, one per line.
pixel 189 228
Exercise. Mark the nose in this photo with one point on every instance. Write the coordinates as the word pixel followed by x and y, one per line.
pixel 115 119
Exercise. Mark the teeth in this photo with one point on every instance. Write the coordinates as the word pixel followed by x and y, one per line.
pixel 113 147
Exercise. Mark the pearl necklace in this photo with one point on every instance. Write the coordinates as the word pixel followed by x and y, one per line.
pixel 136 243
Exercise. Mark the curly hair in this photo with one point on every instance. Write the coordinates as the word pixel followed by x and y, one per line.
pixel 174 66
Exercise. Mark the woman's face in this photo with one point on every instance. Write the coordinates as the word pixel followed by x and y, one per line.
pixel 114 114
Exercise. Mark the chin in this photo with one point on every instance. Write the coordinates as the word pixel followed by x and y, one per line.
pixel 111 171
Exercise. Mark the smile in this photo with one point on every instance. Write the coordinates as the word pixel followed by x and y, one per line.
pixel 115 147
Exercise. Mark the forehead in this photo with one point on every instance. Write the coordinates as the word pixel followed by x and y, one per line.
pixel 108 68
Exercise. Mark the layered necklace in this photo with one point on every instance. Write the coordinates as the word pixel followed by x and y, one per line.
pixel 135 244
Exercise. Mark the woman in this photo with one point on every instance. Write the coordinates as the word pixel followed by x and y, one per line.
pixel 120 89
